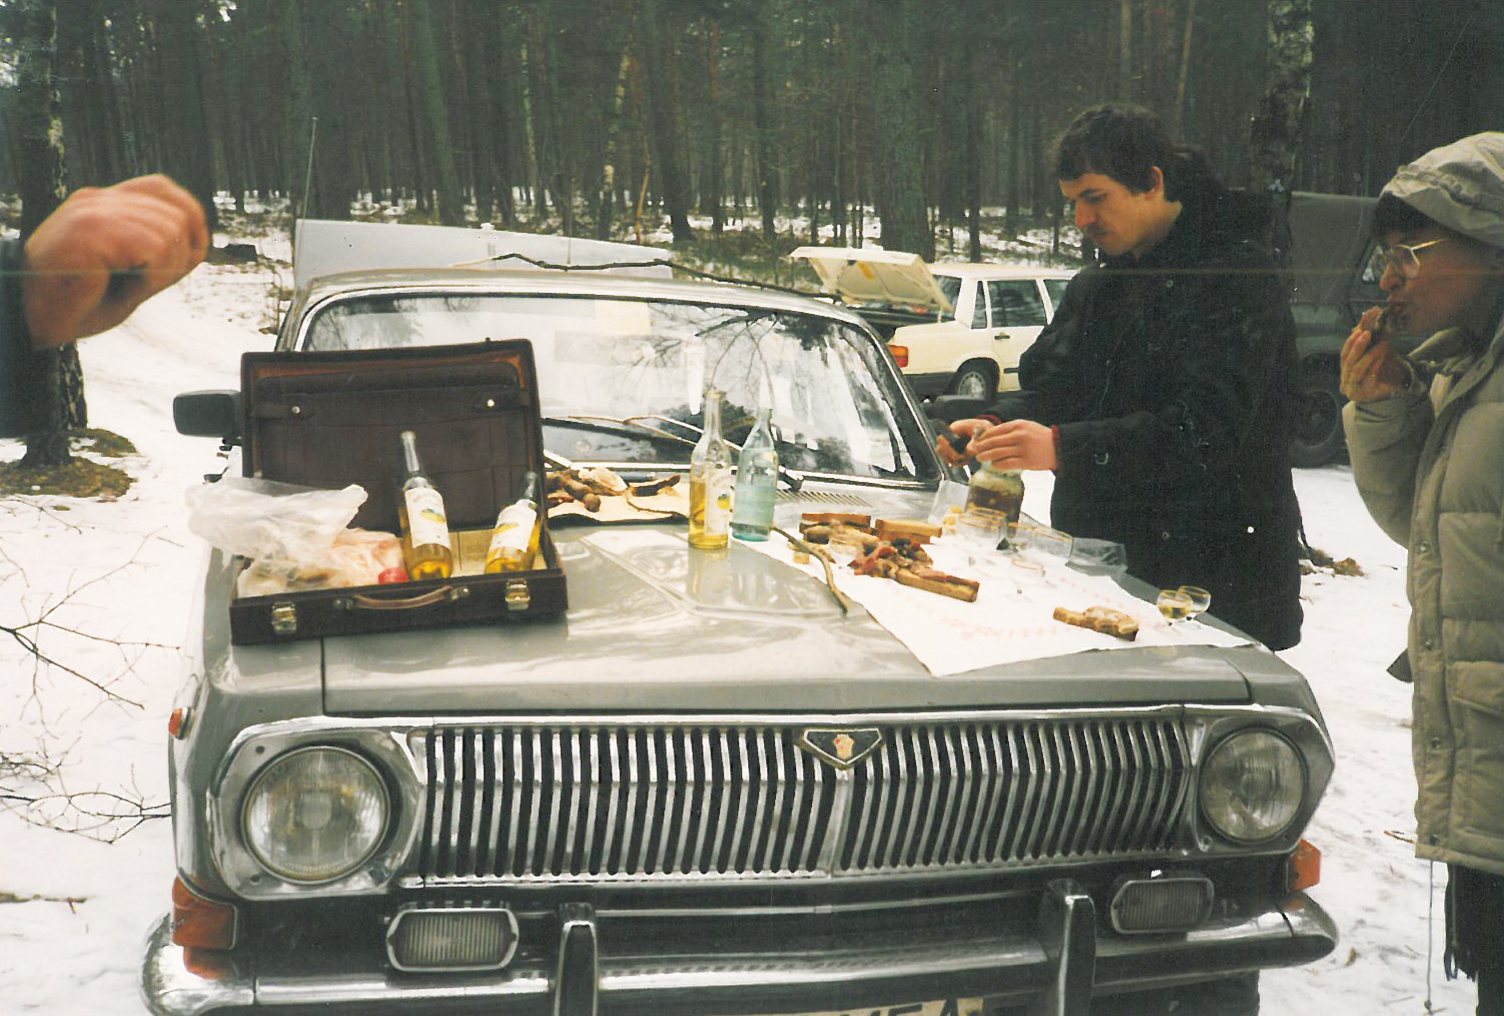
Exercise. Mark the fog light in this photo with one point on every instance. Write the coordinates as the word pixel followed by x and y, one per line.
pixel 452 938
pixel 1175 903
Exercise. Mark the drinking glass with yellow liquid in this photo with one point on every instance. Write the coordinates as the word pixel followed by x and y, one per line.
pixel 1201 600
pixel 1174 604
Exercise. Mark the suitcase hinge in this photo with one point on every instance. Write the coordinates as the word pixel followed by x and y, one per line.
pixel 517 596
pixel 284 618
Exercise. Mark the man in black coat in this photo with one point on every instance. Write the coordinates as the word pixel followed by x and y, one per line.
pixel 1162 392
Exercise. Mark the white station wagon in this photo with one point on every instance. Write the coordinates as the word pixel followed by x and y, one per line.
pixel 953 327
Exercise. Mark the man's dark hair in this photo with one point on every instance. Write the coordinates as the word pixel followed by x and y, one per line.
pixel 1391 215
pixel 1126 142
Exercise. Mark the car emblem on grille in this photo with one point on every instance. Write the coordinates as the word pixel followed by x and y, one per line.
pixel 842 748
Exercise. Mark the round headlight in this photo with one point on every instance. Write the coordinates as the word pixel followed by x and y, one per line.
pixel 1252 786
pixel 315 814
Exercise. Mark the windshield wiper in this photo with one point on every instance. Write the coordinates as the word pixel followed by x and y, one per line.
pixel 626 428
pixel 630 426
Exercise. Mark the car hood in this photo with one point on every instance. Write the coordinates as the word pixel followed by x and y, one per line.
pixel 864 276
pixel 654 627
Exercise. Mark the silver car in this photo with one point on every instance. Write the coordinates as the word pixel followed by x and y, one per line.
pixel 706 788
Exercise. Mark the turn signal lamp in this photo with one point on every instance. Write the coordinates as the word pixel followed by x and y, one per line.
pixel 177 723
pixel 900 354
pixel 198 922
pixel 1303 869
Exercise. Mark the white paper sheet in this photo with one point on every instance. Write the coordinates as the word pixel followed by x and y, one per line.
pixel 1011 618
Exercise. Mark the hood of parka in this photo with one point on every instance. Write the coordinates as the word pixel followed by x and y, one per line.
pixel 1460 185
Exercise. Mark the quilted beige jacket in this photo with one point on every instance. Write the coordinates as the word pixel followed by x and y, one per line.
pixel 1430 468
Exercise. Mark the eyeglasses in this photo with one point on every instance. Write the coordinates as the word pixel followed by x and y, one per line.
pixel 1401 256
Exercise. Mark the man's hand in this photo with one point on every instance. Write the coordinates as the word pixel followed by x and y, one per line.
pixel 103 252
pixel 963 429
pixel 1371 369
pixel 1017 444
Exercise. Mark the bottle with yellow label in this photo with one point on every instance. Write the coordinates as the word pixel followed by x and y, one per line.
pixel 425 527
pixel 514 538
pixel 710 482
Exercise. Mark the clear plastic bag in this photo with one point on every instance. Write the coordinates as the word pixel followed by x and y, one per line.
pixel 297 538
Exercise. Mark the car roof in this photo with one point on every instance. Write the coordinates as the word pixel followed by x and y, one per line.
pixel 993 270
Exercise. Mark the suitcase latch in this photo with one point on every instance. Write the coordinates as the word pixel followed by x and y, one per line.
pixel 517 596
pixel 284 618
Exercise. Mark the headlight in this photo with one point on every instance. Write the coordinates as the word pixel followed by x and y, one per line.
pixel 315 814
pixel 1252 786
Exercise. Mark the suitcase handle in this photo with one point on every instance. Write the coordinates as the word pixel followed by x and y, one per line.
pixel 444 594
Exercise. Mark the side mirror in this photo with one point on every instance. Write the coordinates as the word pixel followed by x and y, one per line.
pixel 208 414
pixel 950 408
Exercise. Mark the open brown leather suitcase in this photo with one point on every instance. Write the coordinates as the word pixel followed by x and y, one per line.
pixel 333 418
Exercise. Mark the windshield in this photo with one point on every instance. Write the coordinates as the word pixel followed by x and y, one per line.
pixel 836 407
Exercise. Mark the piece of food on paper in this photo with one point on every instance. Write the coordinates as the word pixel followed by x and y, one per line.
pixel 652 487
pixel 1102 619
pixel 835 518
pixel 906 563
pixel 933 581
pixel 603 481
pixel 568 485
pixel 916 530
pixel 603 496
pixel 855 538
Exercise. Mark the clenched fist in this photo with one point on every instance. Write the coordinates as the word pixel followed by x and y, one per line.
pixel 103 252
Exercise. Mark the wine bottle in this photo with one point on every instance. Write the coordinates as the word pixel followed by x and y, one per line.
pixel 756 482
pixel 710 482
pixel 514 538
pixel 425 528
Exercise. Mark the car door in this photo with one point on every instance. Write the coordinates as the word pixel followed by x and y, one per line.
pixel 1016 310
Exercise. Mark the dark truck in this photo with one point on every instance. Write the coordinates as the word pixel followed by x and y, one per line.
pixel 1331 288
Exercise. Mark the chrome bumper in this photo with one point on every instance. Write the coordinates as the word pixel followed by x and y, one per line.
pixel 1055 969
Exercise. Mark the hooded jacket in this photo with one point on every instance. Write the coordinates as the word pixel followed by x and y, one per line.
pixel 1170 380
pixel 1429 464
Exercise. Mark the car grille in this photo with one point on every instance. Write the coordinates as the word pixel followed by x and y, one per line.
pixel 691 803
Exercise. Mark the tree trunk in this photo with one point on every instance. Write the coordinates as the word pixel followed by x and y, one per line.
pixel 55 377
pixel 1276 131
pixel 189 142
pixel 1176 120
pixel 715 167
pixel 900 174
pixel 659 51
pixel 605 206
pixel 973 155
pixel 298 126
pixel 431 88
pixel 762 118
pixel 1125 50
pixel 1015 145
pixel 484 117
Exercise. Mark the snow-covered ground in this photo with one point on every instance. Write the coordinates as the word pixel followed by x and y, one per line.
pixel 111 581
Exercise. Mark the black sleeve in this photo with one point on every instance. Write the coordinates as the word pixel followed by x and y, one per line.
pixel 15 343
pixel 1047 371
